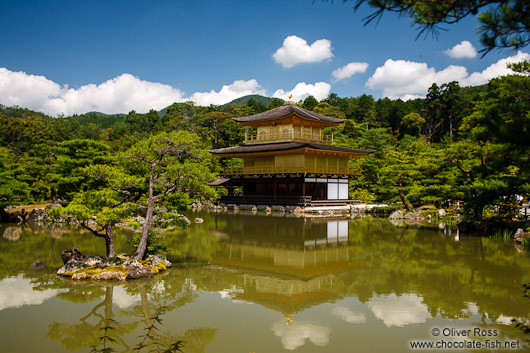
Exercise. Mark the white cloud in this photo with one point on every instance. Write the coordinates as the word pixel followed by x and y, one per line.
pixel 349 70
pixel 125 93
pixel 398 78
pixel 462 50
pixel 408 79
pixel 295 50
pixel 18 291
pixel 232 293
pixel 400 310
pixel 29 91
pixel 407 97
pixel 118 95
pixel 472 308
pixel 505 320
pixel 347 315
pixel 302 90
pixel 124 299
pixel 237 89
pixel 296 334
pixel 494 70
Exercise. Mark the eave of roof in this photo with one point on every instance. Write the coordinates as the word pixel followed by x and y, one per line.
pixel 219 181
pixel 285 111
pixel 284 146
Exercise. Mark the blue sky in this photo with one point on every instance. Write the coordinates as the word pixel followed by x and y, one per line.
pixel 118 55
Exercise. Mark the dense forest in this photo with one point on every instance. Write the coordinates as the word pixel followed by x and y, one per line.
pixel 456 144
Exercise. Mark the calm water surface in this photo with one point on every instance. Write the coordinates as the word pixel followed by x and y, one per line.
pixel 256 283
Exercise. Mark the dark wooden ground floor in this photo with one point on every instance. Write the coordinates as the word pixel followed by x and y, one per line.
pixel 287 190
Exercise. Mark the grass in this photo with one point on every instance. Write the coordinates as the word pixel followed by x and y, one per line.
pixel 504 234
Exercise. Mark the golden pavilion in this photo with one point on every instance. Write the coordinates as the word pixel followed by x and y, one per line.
pixel 288 160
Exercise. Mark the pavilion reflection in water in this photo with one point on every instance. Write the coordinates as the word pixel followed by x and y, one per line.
pixel 288 264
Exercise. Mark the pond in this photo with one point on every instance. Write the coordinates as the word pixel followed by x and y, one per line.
pixel 258 283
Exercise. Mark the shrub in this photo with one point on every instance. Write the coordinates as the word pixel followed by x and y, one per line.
pixel 154 243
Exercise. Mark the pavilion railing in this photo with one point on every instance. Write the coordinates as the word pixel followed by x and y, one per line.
pixel 288 170
pixel 288 136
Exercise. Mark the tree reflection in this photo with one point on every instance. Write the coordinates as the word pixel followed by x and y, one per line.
pixel 91 327
pixel 105 331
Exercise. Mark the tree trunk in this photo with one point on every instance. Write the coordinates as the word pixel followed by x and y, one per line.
pixel 53 194
pixel 142 246
pixel 145 306
pixel 405 203
pixel 451 126
pixel 109 241
pixel 108 236
pixel 478 213
pixel 109 291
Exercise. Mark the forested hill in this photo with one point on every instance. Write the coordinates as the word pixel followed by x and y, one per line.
pixel 467 144
pixel 104 121
pixel 18 112
pixel 244 100
pixel 253 99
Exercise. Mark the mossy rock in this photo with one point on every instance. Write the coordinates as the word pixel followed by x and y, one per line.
pixel 110 272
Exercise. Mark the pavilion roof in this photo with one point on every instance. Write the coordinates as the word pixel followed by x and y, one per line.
pixel 284 146
pixel 285 111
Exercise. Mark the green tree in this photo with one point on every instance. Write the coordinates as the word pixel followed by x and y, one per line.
pixel 90 131
pixel 99 210
pixel 496 159
pixel 275 103
pixel 503 24
pixel 502 114
pixel 411 124
pixel 310 103
pixel 388 113
pixel 327 109
pixel 222 128
pixel 143 123
pixel 436 181
pixel 257 106
pixel 54 171
pixel 362 110
pixel 184 116
pixel 12 189
pixel 168 162
pixel 22 134
pixel 433 112
pixel 243 110
pixel 66 129
pixel 444 108
pixel 333 99
pixel 470 159
pixel 139 178
pixel 400 174
pixel 452 106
